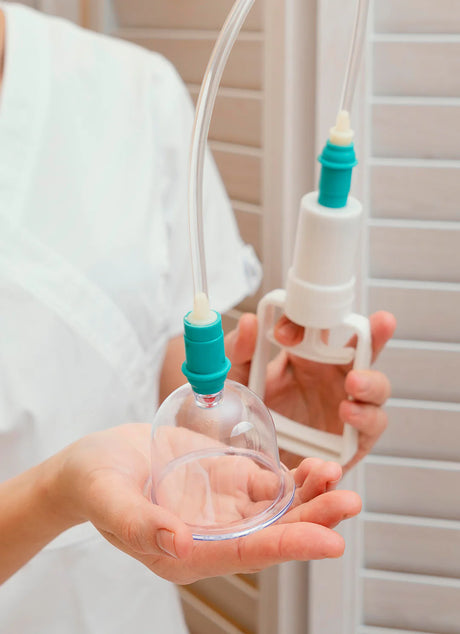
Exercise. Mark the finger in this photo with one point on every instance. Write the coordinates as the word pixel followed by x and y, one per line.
pixel 368 386
pixel 285 542
pixel 328 509
pixel 273 545
pixel 320 477
pixel 287 332
pixel 369 420
pixel 241 342
pixel 383 326
pixel 120 509
pixel 301 472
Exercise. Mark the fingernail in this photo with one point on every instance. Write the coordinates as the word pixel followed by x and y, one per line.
pixel 165 541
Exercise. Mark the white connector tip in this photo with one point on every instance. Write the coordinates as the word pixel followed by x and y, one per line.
pixel 341 133
pixel 201 313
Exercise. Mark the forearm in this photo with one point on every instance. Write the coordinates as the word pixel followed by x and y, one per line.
pixel 29 518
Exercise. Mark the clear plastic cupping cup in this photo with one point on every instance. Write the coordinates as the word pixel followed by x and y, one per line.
pixel 215 462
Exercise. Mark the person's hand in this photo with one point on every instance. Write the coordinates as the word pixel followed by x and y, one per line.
pixel 317 394
pixel 104 478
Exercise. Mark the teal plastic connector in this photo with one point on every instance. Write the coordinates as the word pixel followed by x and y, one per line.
pixel 205 366
pixel 337 163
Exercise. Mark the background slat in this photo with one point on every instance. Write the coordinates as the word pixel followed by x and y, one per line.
pixel 190 55
pixel 250 226
pixel 427 190
pixel 416 130
pixel 415 251
pixel 440 62
pixel 241 170
pixel 411 602
pixel 237 117
pixel 412 487
pixel 424 311
pixel 232 596
pixel 424 371
pixel 384 630
pixel 201 619
pixel 421 429
pixel 417 16
pixel 413 546
pixel 199 14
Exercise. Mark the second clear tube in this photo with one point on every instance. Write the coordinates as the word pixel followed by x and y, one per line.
pixel 205 107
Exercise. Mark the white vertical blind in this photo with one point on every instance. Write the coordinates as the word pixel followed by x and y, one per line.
pixel 407 578
pixel 410 580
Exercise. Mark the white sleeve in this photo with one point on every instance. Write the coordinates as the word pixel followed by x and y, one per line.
pixel 232 268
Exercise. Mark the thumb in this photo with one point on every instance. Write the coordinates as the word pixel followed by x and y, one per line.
pixel 139 524
pixel 241 342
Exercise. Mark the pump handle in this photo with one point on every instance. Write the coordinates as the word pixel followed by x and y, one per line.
pixel 293 436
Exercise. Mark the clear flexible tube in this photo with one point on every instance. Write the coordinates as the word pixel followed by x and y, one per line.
pixel 204 109
pixel 356 49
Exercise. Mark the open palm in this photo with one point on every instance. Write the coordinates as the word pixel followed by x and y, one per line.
pixel 107 474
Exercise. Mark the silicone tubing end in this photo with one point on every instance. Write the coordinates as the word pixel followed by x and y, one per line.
pixel 337 163
pixel 206 366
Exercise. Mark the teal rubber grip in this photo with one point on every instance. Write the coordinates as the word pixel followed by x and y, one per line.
pixel 205 366
pixel 337 163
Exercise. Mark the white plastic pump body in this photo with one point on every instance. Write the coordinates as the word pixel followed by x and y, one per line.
pixel 321 282
pixel 319 296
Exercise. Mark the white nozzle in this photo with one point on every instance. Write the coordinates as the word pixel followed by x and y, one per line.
pixel 201 313
pixel 341 133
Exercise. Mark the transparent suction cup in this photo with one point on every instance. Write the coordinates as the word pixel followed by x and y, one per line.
pixel 215 462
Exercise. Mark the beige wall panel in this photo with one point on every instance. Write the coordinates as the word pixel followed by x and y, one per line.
pixel 420 430
pixel 237 117
pixel 201 619
pixel 231 596
pixel 422 371
pixel 404 487
pixel 411 603
pixel 190 55
pixel 250 226
pixel 427 252
pixel 406 544
pixel 436 307
pixel 409 130
pixel 417 16
pixel 184 14
pixel 241 170
pixel 426 190
pixel 428 69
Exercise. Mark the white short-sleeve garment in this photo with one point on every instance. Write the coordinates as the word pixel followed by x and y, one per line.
pixel 94 280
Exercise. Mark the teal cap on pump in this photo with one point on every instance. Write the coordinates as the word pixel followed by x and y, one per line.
pixel 205 366
pixel 337 163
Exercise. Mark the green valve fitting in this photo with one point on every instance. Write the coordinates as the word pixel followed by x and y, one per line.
pixel 337 163
pixel 205 366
